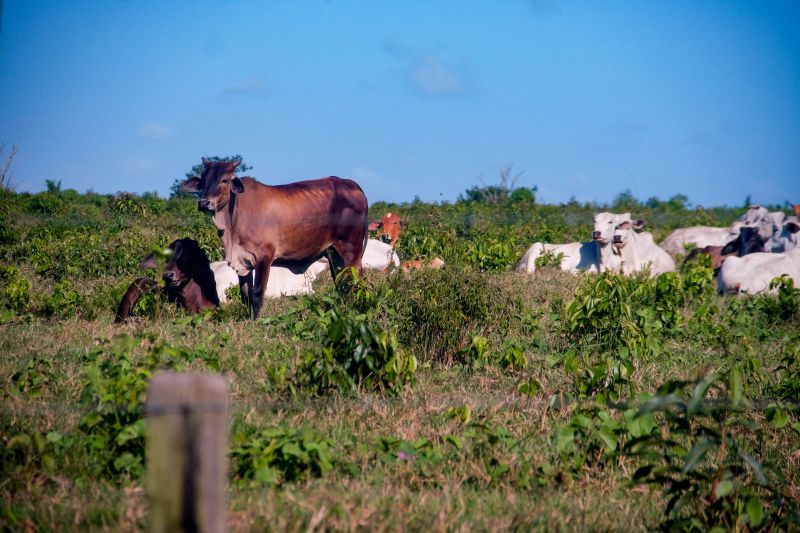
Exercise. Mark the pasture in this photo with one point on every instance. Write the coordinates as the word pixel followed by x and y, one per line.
pixel 483 399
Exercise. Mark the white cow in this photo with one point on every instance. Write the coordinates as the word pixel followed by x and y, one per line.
pixel 378 255
pixel 595 256
pixel 639 251
pixel 752 273
pixel 788 238
pixel 282 280
pixel 702 236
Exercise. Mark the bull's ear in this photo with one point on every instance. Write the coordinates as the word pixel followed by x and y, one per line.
pixel 374 226
pixel 237 186
pixel 792 226
pixel 149 261
pixel 193 184
pixel 638 224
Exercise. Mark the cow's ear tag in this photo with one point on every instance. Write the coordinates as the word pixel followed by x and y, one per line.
pixel 237 186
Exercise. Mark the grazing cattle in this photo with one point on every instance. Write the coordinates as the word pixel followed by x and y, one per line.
pixel 788 238
pixel 639 252
pixel 596 255
pixel 748 241
pixel 379 255
pixel 702 236
pixel 296 223
pixel 752 273
pixel 434 264
pixel 389 228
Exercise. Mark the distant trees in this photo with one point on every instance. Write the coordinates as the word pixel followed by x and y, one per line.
pixel 506 189
pixel 198 169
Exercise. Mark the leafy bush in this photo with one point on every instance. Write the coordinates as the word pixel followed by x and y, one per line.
pixel 548 259
pixel 279 454
pixel 603 314
pixel 15 291
pixel 704 458
pixel 354 353
pixel 114 393
pixel 491 257
pixel 438 312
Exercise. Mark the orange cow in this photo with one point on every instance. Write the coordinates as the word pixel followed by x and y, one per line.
pixel 436 264
pixel 389 228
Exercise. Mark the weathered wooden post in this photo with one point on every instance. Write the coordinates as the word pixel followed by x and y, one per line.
pixel 187 468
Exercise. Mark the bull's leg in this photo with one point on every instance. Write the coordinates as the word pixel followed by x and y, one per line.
pixel 261 275
pixel 246 289
pixel 350 255
pixel 335 262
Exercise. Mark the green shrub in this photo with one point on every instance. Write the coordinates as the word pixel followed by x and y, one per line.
pixel 492 257
pixel 439 311
pixel 548 259
pixel 279 454
pixel 705 461
pixel 355 353
pixel 114 391
pixel 15 291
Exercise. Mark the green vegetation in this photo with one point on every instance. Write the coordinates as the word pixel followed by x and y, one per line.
pixel 466 398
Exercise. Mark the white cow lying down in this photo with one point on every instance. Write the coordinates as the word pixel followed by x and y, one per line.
pixel 639 251
pixel 378 255
pixel 702 236
pixel 286 282
pixel 752 273
pixel 788 238
pixel 593 256
pixel 282 280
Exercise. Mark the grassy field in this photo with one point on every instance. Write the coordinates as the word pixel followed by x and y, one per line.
pixel 482 399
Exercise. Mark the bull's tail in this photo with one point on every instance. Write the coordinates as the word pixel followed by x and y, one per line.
pixel 137 289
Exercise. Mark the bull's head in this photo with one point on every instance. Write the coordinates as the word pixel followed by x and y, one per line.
pixel 215 184
pixel 623 230
pixel 604 225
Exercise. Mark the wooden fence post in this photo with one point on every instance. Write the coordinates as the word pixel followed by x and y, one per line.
pixel 187 467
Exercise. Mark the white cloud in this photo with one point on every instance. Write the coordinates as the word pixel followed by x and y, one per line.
pixel 136 166
pixel 431 76
pixel 156 131
pixel 427 72
pixel 246 86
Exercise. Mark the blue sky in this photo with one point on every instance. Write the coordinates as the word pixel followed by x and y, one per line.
pixel 412 97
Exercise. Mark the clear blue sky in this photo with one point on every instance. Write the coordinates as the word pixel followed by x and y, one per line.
pixel 411 97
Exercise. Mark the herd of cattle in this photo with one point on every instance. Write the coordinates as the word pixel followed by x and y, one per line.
pixel 758 247
pixel 278 239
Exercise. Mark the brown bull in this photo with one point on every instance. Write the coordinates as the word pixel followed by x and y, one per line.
pixel 296 223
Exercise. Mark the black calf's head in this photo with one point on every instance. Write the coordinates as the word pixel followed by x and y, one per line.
pixel 187 261
pixel 748 241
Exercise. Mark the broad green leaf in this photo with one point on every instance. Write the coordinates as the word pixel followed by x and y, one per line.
pixel 755 511
pixel 696 455
pixel 724 488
